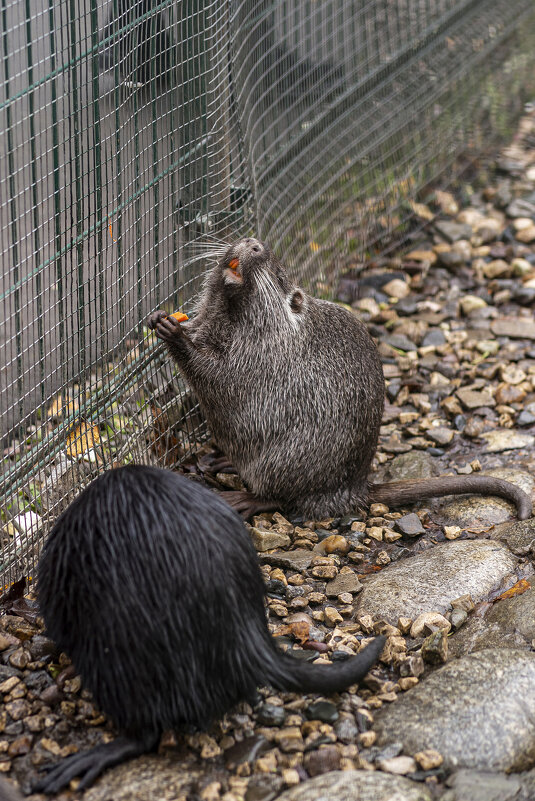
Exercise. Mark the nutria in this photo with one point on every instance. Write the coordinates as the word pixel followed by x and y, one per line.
pixel 151 584
pixel 293 391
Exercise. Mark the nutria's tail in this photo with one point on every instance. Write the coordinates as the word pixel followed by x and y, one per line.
pixel 285 672
pixel 399 493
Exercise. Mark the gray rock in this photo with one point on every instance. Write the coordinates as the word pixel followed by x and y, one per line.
pixel 450 259
pixel 472 398
pixel 434 337
pixel 521 208
pixel 410 525
pixel 519 536
pixel 399 341
pixel 506 439
pixel 267 539
pixel 480 786
pixel 344 582
pixel 357 785
pixel 298 560
pixel 453 231
pixel 516 328
pixel 429 581
pixel 263 787
pixel 416 464
pixel 477 511
pixel 325 711
pixel 346 729
pixel 440 435
pixel 509 623
pixel 270 715
pixel 478 712
pixel 144 779
pixel 525 418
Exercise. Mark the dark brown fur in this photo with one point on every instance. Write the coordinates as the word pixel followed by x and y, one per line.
pixel 292 388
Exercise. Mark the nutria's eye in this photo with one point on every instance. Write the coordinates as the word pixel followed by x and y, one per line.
pixel 256 249
pixel 296 301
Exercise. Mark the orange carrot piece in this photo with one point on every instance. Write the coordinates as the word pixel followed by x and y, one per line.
pixel 179 316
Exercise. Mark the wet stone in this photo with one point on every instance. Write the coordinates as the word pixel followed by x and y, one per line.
pixel 270 715
pixel 509 623
pixel 521 208
pixel 482 786
pixel 519 536
pixel 344 582
pixel 482 511
pixel 289 739
pixel 357 785
pixel 473 399
pixel 249 749
pixel 430 580
pixel 268 539
pixel 406 307
pixel 263 787
pixel 297 560
pixel 400 342
pixel 276 589
pixel 451 259
pixel 440 435
pixel 150 777
pixel 453 231
pixel 410 525
pixel 400 765
pixel 514 328
pixel 525 418
pixel 346 729
pixel 322 760
pixel 435 648
pixel 415 464
pixel 495 687
pixel 506 439
pixel 322 710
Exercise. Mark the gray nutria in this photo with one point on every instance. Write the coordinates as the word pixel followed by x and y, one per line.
pixel 150 583
pixel 293 391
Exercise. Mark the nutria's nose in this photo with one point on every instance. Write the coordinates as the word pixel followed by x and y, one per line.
pixel 253 245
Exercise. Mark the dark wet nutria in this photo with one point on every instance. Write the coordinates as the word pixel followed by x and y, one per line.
pixel 150 583
pixel 293 391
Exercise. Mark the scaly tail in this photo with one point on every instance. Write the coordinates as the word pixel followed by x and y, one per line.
pixel 285 672
pixel 400 493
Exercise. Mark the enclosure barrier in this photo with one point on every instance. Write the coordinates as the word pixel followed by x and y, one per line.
pixel 136 133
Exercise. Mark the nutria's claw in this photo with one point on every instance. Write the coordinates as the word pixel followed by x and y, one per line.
pixel 247 504
pixel 210 463
pixel 164 326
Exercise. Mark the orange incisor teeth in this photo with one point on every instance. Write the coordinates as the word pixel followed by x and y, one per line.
pixel 233 264
pixel 179 316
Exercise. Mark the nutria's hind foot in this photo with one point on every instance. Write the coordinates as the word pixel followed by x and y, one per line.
pixel 210 463
pixel 247 504
pixel 164 326
pixel 90 764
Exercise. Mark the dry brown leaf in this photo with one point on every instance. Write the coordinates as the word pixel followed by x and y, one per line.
pixel 82 439
pixel 517 589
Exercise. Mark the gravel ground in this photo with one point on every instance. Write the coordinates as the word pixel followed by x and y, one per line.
pixel 448 712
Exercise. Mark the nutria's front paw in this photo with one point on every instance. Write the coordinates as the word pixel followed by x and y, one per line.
pixel 164 326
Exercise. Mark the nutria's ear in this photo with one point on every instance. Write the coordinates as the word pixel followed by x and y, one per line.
pixel 297 299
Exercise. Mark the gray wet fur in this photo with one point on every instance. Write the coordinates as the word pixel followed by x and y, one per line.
pixel 292 388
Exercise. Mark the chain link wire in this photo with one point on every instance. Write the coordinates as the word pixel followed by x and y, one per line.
pixel 137 136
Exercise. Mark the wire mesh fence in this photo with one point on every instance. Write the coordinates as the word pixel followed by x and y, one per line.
pixel 133 133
